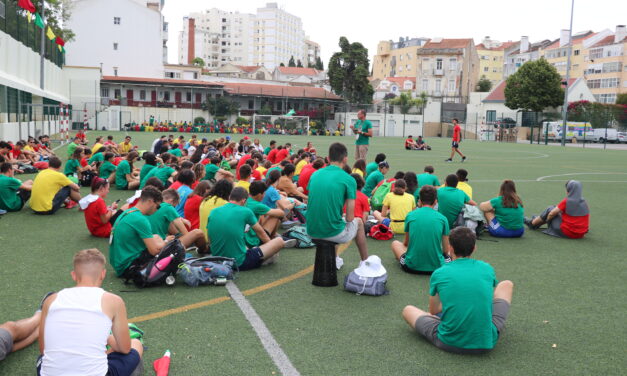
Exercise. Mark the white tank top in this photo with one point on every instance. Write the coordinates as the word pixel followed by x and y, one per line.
pixel 75 334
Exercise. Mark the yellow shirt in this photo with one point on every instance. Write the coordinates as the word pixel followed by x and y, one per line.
pixel 299 167
pixel 358 172
pixel 399 207
pixel 124 147
pixel 261 169
pixel 465 187
pixel 206 206
pixel 46 185
pixel 244 184
pixel 96 147
pixel 28 148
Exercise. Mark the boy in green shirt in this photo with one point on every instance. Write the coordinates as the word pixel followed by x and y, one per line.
pixel 13 193
pixel 373 166
pixel 269 219
pixel 375 178
pixel 451 200
pixel 467 305
pixel 107 169
pixel 428 178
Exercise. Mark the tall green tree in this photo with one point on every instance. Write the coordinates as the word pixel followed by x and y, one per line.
pixel 291 63
pixel 535 86
pixel 484 85
pixel 282 64
pixel 221 106
pixel 348 72
pixel 299 64
pixel 319 65
pixel 198 61
pixel 621 99
pixel 406 102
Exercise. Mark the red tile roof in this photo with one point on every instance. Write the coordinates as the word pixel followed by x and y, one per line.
pixel 503 46
pixel 248 68
pixel 447 43
pixel 607 41
pixel 576 38
pixel 298 71
pixel 165 81
pixel 279 91
pixel 498 93
pixel 401 80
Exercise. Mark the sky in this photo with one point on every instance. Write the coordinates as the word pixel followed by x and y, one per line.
pixel 369 22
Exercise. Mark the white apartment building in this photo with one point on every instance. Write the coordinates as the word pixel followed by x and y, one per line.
pixel 278 36
pixel 218 37
pixel 124 37
pixel 519 53
pixel 312 53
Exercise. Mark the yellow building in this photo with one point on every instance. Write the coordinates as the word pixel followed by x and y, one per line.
pixel 557 53
pixel 606 66
pixel 396 59
pixel 491 55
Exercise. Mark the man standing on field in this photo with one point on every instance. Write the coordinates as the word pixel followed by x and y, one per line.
pixel 457 138
pixel 363 130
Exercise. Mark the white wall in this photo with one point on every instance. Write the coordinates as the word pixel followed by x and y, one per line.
pixel 139 38
pixel 15 131
pixel 393 123
pixel 84 90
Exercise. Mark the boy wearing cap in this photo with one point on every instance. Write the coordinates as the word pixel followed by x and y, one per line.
pixel 467 305
pixel 375 178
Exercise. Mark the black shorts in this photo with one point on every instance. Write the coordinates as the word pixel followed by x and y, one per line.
pixel 253 260
pixel 455 145
pixel 407 269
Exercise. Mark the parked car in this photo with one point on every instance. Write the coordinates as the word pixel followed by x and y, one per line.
pixel 622 137
pixel 505 123
pixel 605 134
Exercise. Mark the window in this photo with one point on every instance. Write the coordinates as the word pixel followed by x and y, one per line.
pixel 104 92
pixel 115 71
pixel 438 86
pixel 251 104
pixel 117 93
pixel 596 53
pixel 490 116
pixel 452 64
pixel 606 98
pixel 604 83
pixel 576 52
pixel 494 70
pixel 425 85
pixel 115 46
pixel 188 96
pixel 451 86
pixel 486 69
pixel 438 64
pixel 166 96
pixel 116 20
pixel 142 95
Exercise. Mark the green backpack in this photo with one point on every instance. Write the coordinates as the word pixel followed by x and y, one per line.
pixel 376 200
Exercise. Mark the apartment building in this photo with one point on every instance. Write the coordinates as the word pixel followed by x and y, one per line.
pixel 606 66
pixel 521 52
pixel 557 52
pixel 447 68
pixel 278 36
pixel 218 37
pixel 491 59
pixel 312 53
pixel 396 58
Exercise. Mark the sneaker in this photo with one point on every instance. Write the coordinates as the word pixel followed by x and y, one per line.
pixel 71 204
pixel 3 212
pixel 448 160
pixel 529 222
pixel 290 243
pixel 289 224
pixel 463 159
pixel 41 304
pixel 339 262
pixel 447 258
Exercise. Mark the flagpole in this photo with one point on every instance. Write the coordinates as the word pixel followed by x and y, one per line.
pixel 43 47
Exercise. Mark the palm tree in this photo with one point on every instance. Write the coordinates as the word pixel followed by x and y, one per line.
pixel 405 101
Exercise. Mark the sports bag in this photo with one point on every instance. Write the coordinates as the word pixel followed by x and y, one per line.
pixel 303 240
pixel 374 286
pixel 381 232
pixel 86 178
pixel 376 200
pixel 154 271
pixel 209 270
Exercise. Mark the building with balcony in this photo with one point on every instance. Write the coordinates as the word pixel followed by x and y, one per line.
pixel 312 53
pixel 606 66
pixel 447 69
pixel 393 87
pixel 396 58
pixel 123 37
pixel 491 59
pixel 278 36
pixel 521 52
pixel 557 52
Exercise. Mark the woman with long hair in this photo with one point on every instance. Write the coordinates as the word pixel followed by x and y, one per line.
pixel 192 205
pixel 412 183
pixel 218 196
pixel 150 162
pixel 73 164
pixel 504 214
pixel 359 167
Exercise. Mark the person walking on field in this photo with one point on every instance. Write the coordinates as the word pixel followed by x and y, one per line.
pixel 363 130
pixel 457 138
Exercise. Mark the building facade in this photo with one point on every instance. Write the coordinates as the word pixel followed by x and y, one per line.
pixel 396 58
pixel 447 69
pixel 124 37
pixel 521 52
pixel 312 53
pixel 606 66
pixel 278 37
pixel 557 52
pixel 491 59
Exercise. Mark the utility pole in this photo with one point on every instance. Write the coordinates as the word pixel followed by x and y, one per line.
pixel 42 50
pixel 570 47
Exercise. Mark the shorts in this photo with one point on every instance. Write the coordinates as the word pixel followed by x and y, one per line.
pixel 495 229
pixel 58 200
pixel 361 151
pixel 427 326
pixel 407 269
pixel 253 260
pixel 455 145
pixel 6 343
pixel 119 364
pixel 348 234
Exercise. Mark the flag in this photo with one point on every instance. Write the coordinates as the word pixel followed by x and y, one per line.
pixel 50 34
pixel 59 41
pixel 29 16
pixel 39 21
pixel 60 48
pixel 26 4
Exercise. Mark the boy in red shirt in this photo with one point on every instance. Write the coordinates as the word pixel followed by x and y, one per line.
pixel 98 216
pixel 283 153
pixel 362 204
pixel 457 138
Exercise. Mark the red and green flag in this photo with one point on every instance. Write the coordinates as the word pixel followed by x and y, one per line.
pixel 27 5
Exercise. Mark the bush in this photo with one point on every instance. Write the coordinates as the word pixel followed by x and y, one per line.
pixel 199 120
pixel 242 120
pixel 220 118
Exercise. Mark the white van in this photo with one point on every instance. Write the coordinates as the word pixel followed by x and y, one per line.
pixel 577 130
pixel 603 134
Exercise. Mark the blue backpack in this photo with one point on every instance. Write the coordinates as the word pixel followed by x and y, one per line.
pixel 303 240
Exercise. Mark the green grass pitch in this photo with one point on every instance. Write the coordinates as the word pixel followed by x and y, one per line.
pixel 567 316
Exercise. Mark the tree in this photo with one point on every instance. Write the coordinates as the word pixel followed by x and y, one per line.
pixel 282 65
pixel 299 64
pixel 198 61
pixel 348 72
pixel 57 13
pixel 484 85
pixel 405 101
pixel 221 106
pixel 621 99
pixel 319 66
pixel 535 86
pixel 265 110
pixel 291 63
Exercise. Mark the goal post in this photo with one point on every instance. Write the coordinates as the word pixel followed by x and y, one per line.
pixel 282 122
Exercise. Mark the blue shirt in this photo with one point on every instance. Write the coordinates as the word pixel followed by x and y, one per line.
pixel 183 192
pixel 271 197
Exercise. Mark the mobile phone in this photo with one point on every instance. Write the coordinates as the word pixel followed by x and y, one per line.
pixel 118 200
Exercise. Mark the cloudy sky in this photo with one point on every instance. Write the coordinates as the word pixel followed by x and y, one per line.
pixel 369 21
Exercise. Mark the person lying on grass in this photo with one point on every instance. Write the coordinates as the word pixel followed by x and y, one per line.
pixel 467 305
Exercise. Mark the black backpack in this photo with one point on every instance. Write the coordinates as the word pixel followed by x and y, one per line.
pixel 147 272
pixel 86 178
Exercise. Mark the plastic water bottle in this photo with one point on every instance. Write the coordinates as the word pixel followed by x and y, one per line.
pixel 160 266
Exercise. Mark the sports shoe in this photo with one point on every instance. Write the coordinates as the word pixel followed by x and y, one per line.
pixel 70 204
pixel 447 258
pixel 290 243
pixel 463 159
pixel 529 222
pixel 3 212
pixel 289 224
pixel 339 262
pixel 448 160
pixel 41 304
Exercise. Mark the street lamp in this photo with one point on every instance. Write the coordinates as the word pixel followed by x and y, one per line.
pixel 570 47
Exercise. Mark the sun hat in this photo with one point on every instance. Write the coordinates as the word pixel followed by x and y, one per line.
pixel 371 267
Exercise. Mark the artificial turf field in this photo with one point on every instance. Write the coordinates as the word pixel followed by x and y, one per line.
pixel 567 315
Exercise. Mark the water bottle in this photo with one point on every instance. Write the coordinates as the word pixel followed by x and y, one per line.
pixel 160 266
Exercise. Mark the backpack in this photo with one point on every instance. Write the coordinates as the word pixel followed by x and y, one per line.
pixel 209 270
pixel 86 178
pixel 376 199
pixel 374 286
pixel 303 240
pixel 381 232
pixel 155 271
